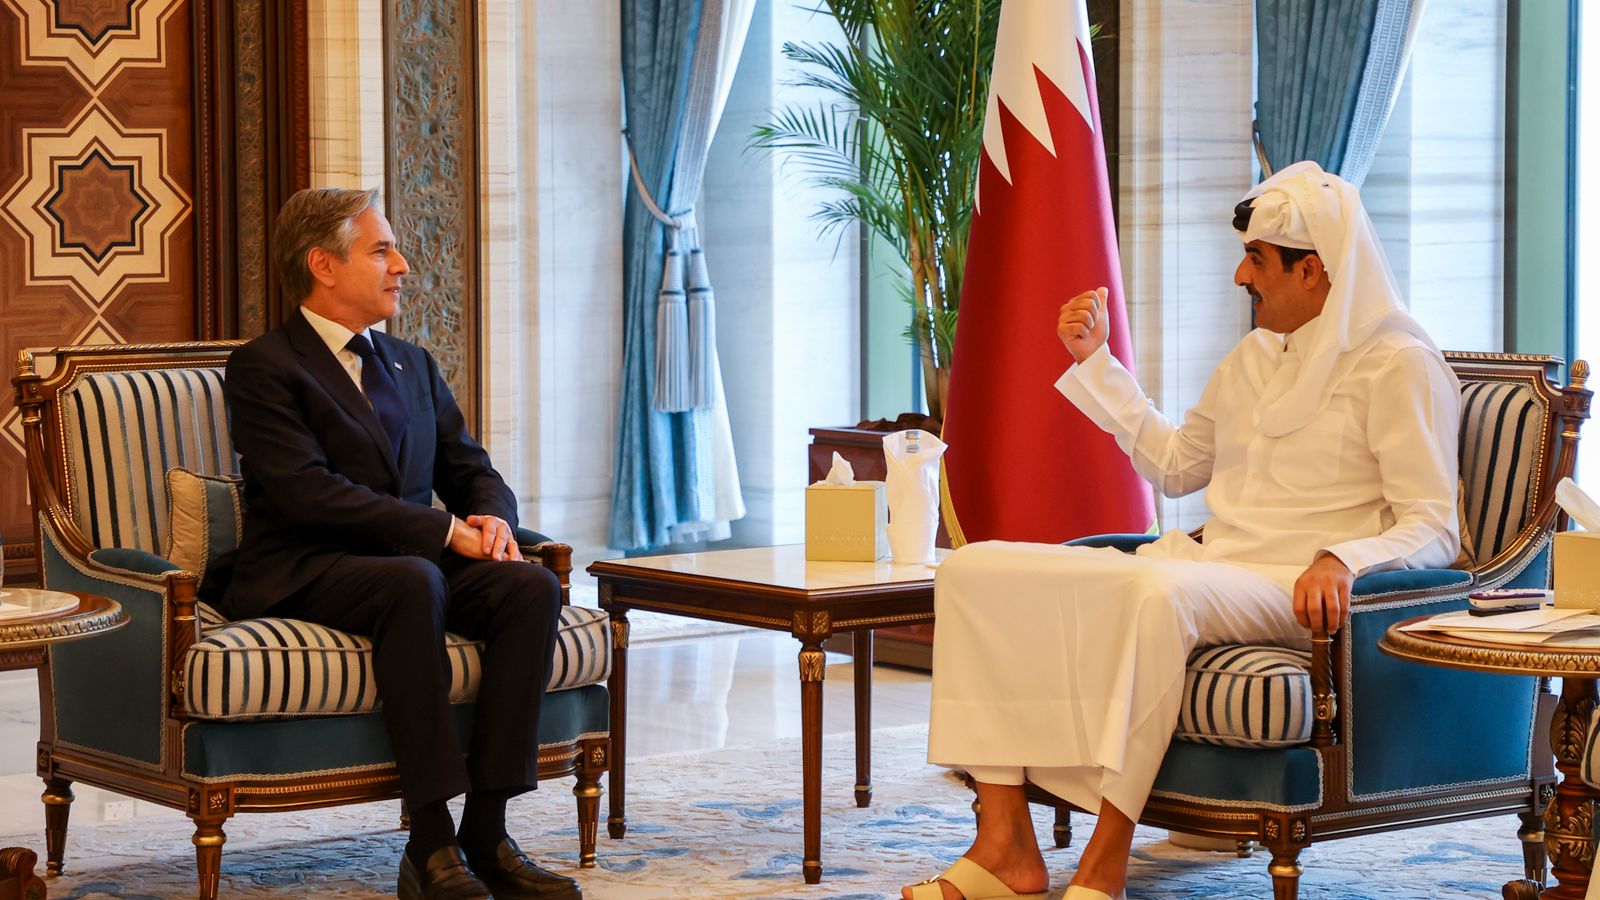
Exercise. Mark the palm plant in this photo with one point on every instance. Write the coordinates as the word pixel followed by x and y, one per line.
pixel 897 136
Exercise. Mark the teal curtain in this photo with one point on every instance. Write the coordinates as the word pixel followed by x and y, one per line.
pixel 1327 76
pixel 655 482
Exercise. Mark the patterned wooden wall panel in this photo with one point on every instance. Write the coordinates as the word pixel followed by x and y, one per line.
pixel 96 189
pixel 430 47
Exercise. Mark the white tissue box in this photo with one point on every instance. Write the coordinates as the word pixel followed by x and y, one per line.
pixel 846 522
pixel 1577 570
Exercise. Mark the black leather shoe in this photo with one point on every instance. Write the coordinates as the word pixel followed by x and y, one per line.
pixel 511 875
pixel 445 877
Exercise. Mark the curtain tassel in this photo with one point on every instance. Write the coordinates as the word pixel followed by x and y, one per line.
pixel 672 339
pixel 702 345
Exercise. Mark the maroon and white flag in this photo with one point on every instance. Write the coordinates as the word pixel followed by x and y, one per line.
pixel 1023 464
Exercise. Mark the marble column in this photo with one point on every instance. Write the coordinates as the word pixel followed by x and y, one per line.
pixel 1186 159
pixel 345 49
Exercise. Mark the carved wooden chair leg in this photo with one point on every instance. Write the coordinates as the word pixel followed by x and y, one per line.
pixel 57 799
pixel 1063 828
pixel 592 764
pixel 405 816
pixel 1285 836
pixel 1532 835
pixel 1285 870
pixel 208 840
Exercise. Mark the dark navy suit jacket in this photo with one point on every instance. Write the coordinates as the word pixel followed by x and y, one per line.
pixel 320 477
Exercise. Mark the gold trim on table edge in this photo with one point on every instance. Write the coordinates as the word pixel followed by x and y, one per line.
pixel 700 611
pixel 1508 658
pixel 23 634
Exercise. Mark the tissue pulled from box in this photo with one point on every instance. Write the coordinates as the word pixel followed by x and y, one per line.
pixel 1579 505
pixel 841 472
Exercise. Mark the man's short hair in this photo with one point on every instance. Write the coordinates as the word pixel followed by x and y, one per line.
pixel 1287 255
pixel 322 218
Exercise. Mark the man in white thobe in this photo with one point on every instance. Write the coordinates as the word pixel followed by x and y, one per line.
pixel 1326 445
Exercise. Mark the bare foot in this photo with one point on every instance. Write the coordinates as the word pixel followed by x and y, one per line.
pixel 1021 871
pixel 1108 880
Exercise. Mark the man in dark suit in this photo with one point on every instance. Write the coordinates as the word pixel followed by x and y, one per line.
pixel 345 435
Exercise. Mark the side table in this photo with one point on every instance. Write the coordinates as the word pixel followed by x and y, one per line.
pixel 779 589
pixel 1568 839
pixel 24 640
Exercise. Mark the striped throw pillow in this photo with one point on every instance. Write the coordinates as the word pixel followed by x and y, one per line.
pixel 204 521
pixel 1246 695
pixel 281 668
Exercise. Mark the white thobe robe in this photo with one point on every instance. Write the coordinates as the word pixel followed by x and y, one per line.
pixel 1065 665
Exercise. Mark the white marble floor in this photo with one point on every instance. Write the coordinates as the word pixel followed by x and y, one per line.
pixel 683 696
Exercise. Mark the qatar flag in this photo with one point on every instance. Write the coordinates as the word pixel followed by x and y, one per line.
pixel 1023 463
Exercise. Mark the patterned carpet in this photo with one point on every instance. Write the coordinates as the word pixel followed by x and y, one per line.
pixel 728 825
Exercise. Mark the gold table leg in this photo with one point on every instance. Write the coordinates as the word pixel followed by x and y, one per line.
pixel 1569 818
pixel 863 673
pixel 812 661
pixel 617 823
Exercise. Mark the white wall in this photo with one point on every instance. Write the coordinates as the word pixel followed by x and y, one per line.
pixel 345 80
pixel 552 320
pixel 787 302
pixel 1185 161
pixel 1437 191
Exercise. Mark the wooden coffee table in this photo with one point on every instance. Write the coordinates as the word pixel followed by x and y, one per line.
pixel 774 588
pixel 1568 840
pixel 23 641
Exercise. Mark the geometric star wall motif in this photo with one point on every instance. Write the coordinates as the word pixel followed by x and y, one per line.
pixel 93 39
pixel 94 217
pixel 97 206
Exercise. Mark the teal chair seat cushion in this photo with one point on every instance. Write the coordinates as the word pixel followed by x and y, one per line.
pixel 1286 779
pixel 294 748
pixel 283 668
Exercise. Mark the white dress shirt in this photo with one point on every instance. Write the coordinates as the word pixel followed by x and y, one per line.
pixel 1371 480
pixel 336 336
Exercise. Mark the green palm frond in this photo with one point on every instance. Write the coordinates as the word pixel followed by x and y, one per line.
pixel 898 137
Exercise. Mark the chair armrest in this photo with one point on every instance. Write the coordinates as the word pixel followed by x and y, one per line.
pixel 117 692
pixel 553 555
pixel 1370 590
pixel 129 561
pixel 1127 543
pixel 1391 706
pixel 1409 581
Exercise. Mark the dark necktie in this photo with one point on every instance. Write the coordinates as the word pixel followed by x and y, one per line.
pixel 380 389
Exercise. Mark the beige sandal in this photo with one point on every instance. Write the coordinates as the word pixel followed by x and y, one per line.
pixel 972 880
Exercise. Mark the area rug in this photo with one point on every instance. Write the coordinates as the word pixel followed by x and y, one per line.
pixel 727 824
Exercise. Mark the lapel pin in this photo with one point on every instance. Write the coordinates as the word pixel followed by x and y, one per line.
pixel 400 367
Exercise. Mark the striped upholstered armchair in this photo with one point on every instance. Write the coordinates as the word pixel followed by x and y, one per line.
pixel 1285 748
pixel 182 707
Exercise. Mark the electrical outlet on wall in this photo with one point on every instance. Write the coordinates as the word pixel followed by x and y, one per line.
pixel 115 810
